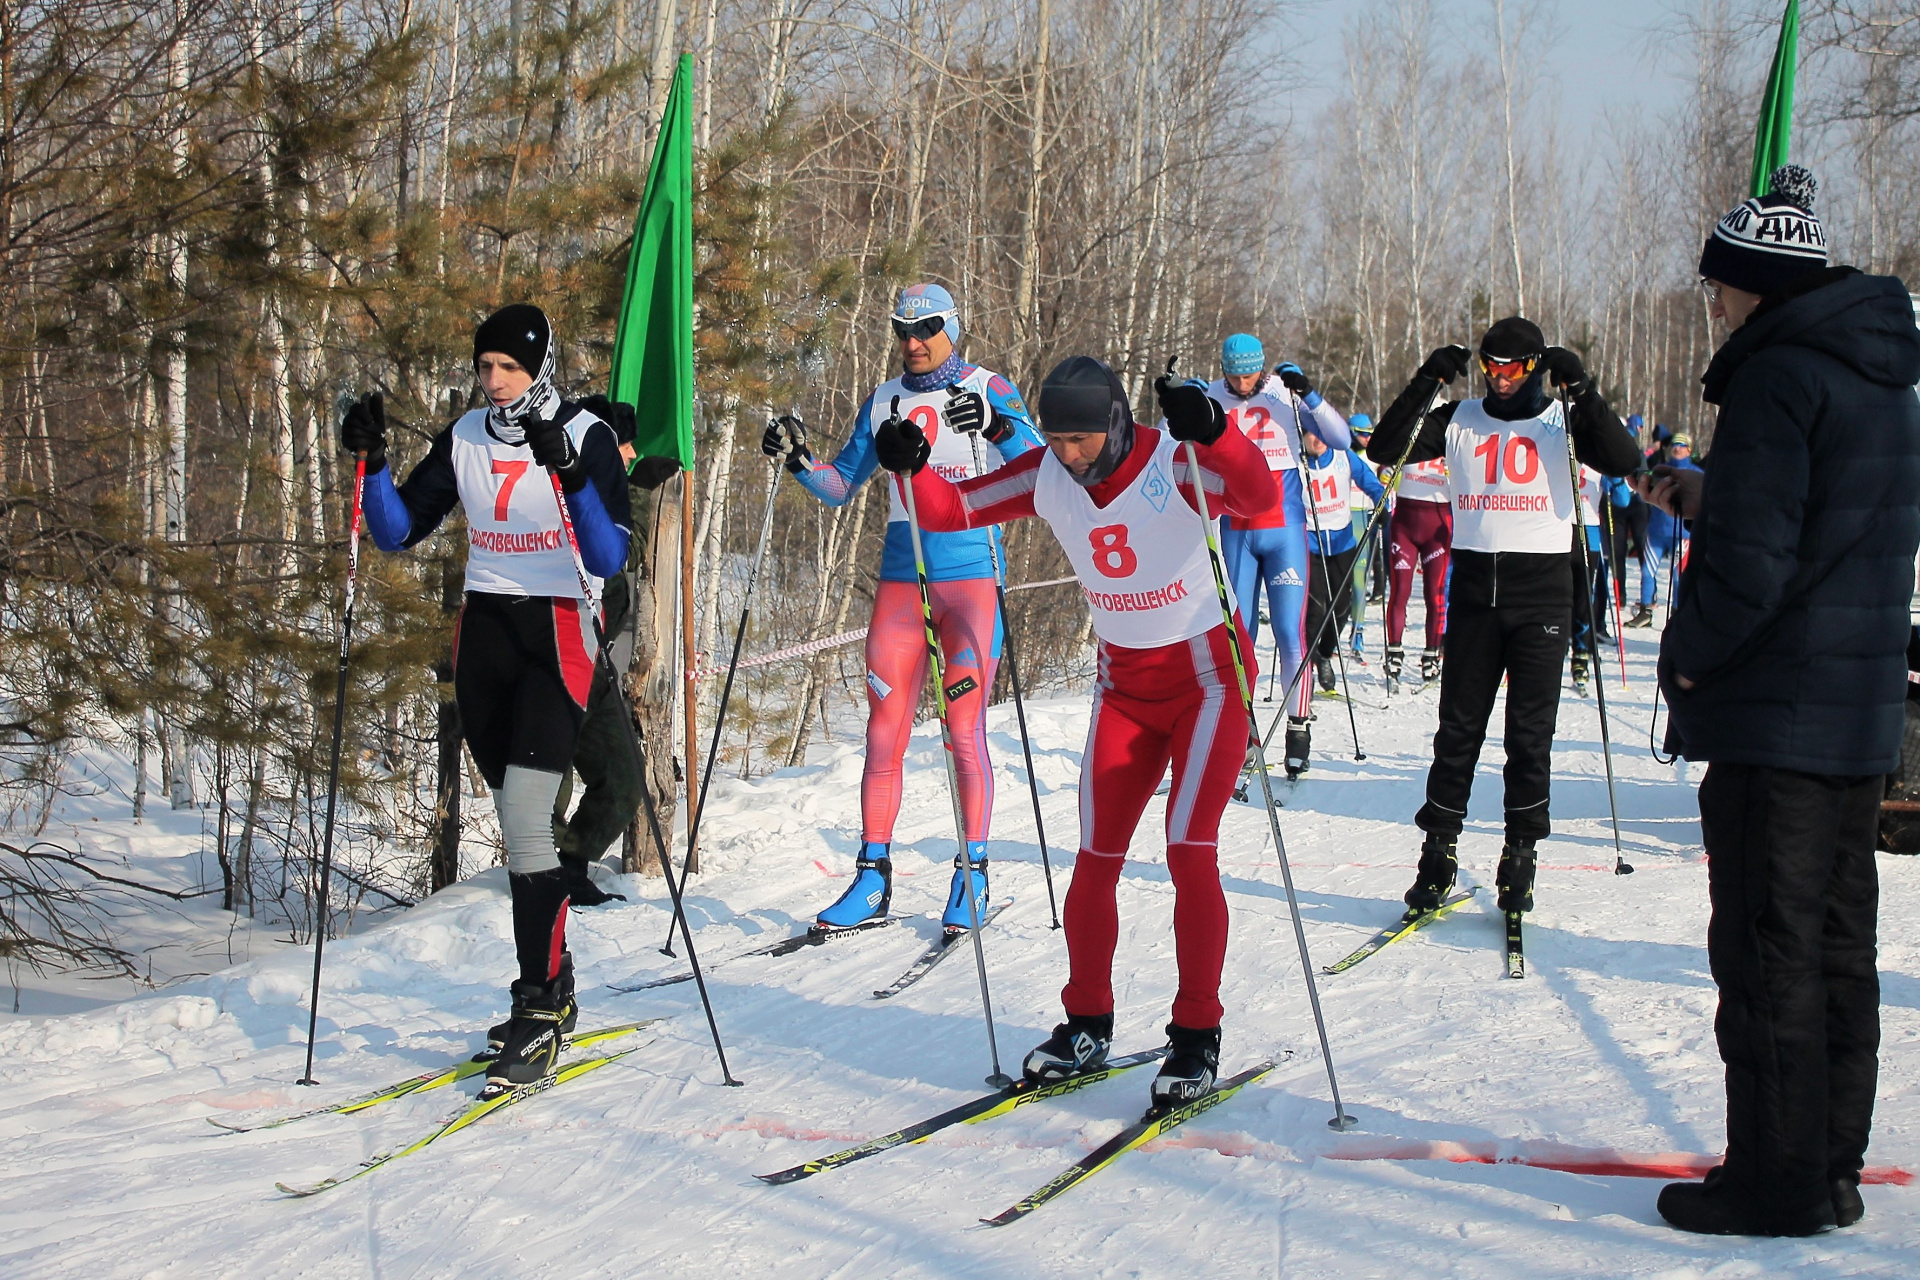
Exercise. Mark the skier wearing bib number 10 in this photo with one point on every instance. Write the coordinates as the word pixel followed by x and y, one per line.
pixel 1271 548
pixel 956 404
pixel 1120 499
pixel 1514 509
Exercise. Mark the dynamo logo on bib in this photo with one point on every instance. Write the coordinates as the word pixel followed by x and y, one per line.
pixel 1155 488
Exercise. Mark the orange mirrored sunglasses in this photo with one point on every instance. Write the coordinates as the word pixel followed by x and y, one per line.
pixel 1507 368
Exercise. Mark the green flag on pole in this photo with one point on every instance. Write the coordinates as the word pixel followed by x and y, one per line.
pixel 1771 139
pixel 653 342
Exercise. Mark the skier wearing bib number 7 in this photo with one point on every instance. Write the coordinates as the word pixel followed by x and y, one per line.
pixel 1271 548
pixel 956 403
pixel 1511 599
pixel 1120 499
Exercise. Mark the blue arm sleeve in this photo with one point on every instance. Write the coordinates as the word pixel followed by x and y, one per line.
pixel 835 482
pixel 1364 477
pixel 1005 400
pixel 603 544
pixel 1325 421
pixel 387 517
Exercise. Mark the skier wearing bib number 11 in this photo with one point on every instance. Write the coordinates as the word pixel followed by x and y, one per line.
pixel 956 403
pixel 1120 499
pixel 1512 595
pixel 1271 548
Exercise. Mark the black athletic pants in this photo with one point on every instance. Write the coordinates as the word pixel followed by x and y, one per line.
pixel 604 756
pixel 1333 572
pixel 521 672
pixel 1482 644
pixel 1795 896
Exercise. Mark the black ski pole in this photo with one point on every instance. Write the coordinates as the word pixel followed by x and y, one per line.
pixel 1019 701
pixel 1621 867
pixel 603 660
pixel 333 766
pixel 733 665
pixel 1341 1120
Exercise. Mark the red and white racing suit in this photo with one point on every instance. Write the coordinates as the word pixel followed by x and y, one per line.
pixel 1166 691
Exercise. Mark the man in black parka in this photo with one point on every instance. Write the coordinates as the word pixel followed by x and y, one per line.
pixel 1784 663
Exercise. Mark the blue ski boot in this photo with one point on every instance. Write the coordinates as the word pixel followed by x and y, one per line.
pixel 868 897
pixel 957 918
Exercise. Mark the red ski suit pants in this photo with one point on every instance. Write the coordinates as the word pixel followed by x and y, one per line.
pixel 1422 538
pixel 1179 704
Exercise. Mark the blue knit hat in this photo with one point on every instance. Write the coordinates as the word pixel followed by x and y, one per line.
pixel 918 301
pixel 1360 422
pixel 1242 354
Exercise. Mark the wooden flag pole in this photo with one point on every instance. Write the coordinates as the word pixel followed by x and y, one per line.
pixel 689 692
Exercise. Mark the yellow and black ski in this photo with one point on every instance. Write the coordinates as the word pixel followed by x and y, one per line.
pixel 1411 923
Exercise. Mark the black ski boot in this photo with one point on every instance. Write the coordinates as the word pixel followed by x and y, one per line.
pixel 1323 672
pixel 1078 1045
pixel 497 1033
pixel 530 1050
pixel 1439 863
pixel 1515 876
pixel 1299 746
pixel 1390 666
pixel 1848 1207
pixel 1193 1060
pixel 1580 673
pixel 1642 617
pixel 581 890
pixel 1429 665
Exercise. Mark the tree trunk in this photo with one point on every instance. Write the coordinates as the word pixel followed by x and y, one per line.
pixel 650 677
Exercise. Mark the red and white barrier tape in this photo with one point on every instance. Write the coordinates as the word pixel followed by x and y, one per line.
pixel 834 642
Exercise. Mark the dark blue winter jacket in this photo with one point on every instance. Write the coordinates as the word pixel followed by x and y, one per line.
pixel 1792 619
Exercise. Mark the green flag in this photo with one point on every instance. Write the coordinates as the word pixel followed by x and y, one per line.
pixel 653 343
pixel 1771 139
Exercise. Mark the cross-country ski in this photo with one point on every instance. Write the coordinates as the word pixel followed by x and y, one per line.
pixel 1411 923
pixel 937 950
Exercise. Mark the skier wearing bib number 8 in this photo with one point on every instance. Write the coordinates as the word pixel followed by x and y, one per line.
pixel 1271 548
pixel 1514 521
pixel 524 644
pixel 1120 499
pixel 956 404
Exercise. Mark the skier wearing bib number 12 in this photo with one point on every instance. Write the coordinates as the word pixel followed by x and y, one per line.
pixel 1271 548
pixel 957 404
pixel 1512 595
pixel 1120 499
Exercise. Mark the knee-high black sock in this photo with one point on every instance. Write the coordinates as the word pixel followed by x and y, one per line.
pixel 539 923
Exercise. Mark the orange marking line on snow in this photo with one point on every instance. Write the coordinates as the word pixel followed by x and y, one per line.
pixel 1599 1162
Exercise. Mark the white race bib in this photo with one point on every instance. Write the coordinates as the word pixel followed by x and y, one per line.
pixel 517 545
pixel 952 456
pixel 1512 486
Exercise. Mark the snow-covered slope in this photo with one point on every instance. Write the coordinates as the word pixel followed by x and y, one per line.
pixel 645 1168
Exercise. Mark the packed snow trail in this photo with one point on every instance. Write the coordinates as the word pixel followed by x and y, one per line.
pixel 1469 1089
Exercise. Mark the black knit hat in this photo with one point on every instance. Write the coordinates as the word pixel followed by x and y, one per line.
pixel 520 331
pixel 1515 338
pixel 1766 243
pixel 1082 394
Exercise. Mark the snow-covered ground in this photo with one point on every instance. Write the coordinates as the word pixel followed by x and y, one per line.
pixel 1605 1051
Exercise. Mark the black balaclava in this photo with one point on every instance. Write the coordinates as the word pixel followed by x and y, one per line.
pixel 1516 338
pixel 522 332
pixel 1083 395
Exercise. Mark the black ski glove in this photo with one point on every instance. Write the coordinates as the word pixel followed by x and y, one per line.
pixel 363 429
pixel 1294 380
pixel 786 439
pixel 1446 363
pixel 650 472
pixel 968 411
pixel 1190 412
pixel 901 446
pixel 1566 370
pixel 553 449
pixel 616 415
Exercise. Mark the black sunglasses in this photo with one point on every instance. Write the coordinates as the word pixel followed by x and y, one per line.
pixel 922 329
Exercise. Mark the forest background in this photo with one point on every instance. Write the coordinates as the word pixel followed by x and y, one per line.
pixel 216 219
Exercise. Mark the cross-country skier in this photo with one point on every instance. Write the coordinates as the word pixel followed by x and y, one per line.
pixel 524 644
pixel 1119 498
pixel 956 404
pixel 1271 549
pixel 610 771
pixel 1332 475
pixel 1665 535
pixel 1511 597
pixel 1362 505
pixel 1594 612
pixel 1422 528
